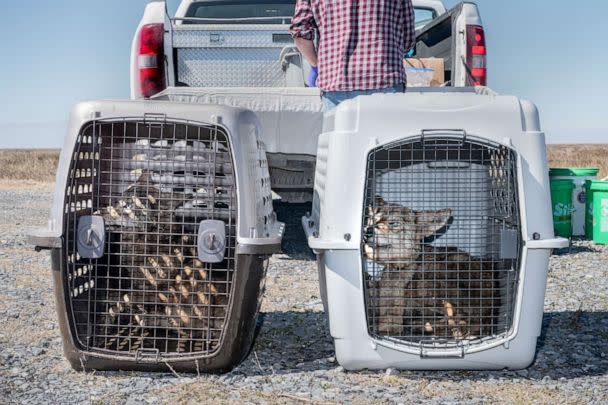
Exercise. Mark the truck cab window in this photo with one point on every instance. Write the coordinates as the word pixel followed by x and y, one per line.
pixel 241 12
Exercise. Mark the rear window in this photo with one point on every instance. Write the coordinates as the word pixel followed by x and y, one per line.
pixel 264 12
pixel 242 12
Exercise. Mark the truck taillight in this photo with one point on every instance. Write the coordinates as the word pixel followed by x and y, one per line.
pixel 150 60
pixel 476 56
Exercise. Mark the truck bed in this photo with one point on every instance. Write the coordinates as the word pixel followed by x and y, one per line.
pixel 291 118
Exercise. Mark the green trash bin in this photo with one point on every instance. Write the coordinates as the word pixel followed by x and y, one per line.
pixel 561 200
pixel 579 176
pixel 597 212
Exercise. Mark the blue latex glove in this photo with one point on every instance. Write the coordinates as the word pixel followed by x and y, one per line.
pixel 312 77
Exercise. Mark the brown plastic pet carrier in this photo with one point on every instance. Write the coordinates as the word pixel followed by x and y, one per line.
pixel 160 234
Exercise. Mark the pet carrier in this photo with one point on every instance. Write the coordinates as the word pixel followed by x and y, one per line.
pixel 161 228
pixel 432 225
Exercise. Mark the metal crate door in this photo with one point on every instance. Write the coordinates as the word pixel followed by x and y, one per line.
pixel 442 241
pixel 153 182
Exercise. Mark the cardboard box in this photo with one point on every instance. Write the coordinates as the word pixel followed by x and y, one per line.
pixel 437 64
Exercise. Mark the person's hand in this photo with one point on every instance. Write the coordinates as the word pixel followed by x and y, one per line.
pixel 312 77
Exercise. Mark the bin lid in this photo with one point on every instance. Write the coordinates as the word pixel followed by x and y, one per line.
pixel 574 171
pixel 597 185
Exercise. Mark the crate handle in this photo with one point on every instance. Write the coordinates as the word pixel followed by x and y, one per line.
pixel 436 353
pixel 442 354
pixel 461 133
pixel 147 355
pixel 155 117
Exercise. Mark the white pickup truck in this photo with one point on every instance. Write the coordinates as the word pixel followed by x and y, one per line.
pixel 239 53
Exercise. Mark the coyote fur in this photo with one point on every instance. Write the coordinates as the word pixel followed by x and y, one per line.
pixel 161 283
pixel 426 291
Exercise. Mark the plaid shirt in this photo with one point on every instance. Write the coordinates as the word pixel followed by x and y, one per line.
pixel 361 42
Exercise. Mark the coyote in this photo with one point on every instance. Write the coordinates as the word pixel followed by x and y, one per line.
pixel 426 291
pixel 157 281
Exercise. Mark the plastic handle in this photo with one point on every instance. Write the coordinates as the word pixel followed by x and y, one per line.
pixel 443 354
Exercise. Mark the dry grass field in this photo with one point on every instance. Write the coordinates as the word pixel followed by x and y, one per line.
pixel 580 156
pixel 40 165
pixel 33 165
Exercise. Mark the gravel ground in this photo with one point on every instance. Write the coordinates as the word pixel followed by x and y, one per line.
pixel 292 361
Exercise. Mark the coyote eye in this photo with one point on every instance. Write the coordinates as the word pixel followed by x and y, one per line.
pixel 394 225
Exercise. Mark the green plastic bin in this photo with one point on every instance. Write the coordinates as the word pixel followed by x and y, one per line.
pixel 579 195
pixel 597 212
pixel 561 200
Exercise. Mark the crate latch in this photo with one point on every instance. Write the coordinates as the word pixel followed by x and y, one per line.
pixel 211 241
pixel 91 236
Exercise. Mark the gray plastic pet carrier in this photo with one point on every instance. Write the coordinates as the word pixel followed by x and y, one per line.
pixel 433 230
pixel 161 228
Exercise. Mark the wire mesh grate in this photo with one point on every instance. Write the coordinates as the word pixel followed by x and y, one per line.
pixel 153 181
pixel 442 241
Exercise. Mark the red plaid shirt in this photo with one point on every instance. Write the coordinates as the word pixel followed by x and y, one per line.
pixel 361 42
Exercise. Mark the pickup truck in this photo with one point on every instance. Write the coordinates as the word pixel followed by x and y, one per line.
pixel 239 53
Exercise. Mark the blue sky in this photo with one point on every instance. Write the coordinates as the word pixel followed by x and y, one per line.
pixel 56 53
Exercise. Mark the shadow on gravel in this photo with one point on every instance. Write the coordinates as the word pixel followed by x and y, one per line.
pixel 577 248
pixel 292 342
pixel 571 346
pixel 295 245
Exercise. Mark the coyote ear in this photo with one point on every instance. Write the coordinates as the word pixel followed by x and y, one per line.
pixel 371 215
pixel 429 223
pixel 379 201
pixel 374 211
pixel 374 215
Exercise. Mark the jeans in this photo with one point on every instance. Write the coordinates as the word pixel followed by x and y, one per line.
pixel 331 99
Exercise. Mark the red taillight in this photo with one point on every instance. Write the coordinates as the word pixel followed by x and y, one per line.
pixel 476 56
pixel 150 60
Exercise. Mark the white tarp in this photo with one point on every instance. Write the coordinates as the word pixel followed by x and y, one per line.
pixel 292 118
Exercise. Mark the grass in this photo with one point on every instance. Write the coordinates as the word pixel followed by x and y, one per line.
pixel 579 156
pixel 39 165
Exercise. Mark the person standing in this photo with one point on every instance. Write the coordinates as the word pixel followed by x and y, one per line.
pixel 361 45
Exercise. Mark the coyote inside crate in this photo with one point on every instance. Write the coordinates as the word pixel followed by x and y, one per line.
pixel 160 288
pixel 420 291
